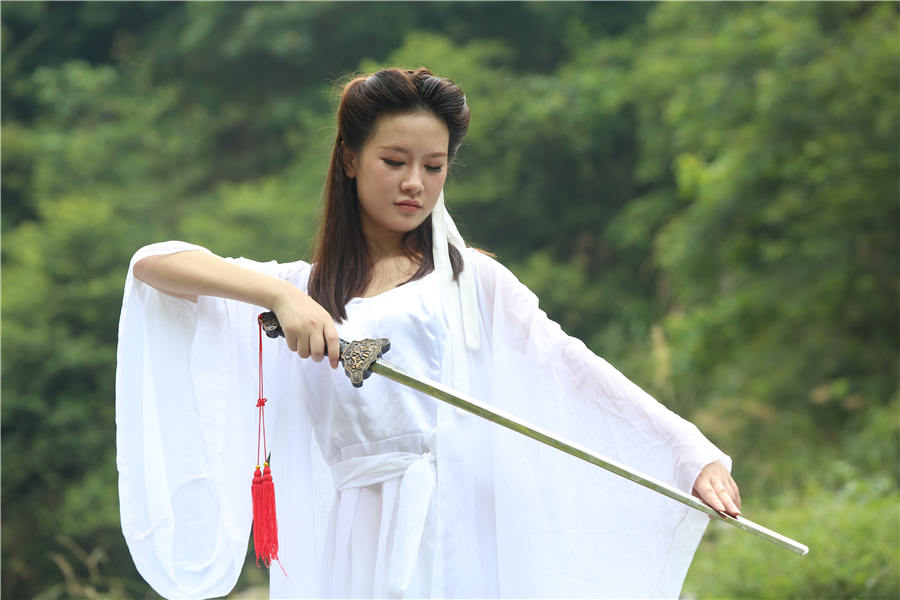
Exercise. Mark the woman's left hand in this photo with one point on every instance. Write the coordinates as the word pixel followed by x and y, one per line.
pixel 715 486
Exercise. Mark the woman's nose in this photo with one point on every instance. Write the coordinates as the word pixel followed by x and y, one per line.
pixel 412 183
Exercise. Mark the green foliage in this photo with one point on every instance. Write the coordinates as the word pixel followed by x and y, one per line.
pixel 853 544
pixel 842 503
pixel 84 576
pixel 767 256
pixel 707 195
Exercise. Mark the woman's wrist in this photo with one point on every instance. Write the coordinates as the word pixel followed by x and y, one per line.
pixel 276 292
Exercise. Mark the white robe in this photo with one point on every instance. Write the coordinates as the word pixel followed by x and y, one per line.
pixel 383 491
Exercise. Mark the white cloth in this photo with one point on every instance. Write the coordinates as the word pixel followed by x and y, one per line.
pixel 383 491
pixel 444 231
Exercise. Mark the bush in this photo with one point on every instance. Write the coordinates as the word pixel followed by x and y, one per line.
pixel 853 540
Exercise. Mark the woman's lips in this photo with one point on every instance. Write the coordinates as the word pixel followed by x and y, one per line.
pixel 408 207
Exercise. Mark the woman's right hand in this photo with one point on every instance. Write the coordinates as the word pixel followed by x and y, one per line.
pixel 308 328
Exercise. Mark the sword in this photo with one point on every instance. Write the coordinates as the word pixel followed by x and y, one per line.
pixel 362 358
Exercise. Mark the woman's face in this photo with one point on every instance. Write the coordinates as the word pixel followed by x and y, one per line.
pixel 399 173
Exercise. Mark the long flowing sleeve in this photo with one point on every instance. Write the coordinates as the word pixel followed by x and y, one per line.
pixel 186 416
pixel 588 533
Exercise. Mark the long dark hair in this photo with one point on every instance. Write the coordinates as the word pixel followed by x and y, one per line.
pixel 342 265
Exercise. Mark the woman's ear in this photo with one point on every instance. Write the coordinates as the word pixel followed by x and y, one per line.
pixel 348 160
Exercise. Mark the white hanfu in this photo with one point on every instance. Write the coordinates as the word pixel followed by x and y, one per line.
pixel 383 491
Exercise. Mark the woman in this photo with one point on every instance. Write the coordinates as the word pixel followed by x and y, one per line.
pixel 382 491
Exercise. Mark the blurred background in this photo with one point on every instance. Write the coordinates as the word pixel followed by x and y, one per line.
pixel 707 194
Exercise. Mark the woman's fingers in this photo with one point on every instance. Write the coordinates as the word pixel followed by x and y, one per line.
pixel 303 344
pixel 316 341
pixel 715 486
pixel 326 343
pixel 291 340
pixel 735 493
pixel 317 346
pixel 308 328
pixel 726 498
pixel 708 494
pixel 333 344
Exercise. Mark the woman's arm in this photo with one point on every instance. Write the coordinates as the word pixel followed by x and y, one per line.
pixel 513 311
pixel 308 328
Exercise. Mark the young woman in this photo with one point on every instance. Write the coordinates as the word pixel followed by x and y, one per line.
pixel 382 491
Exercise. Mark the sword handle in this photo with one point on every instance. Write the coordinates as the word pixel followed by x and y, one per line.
pixel 357 357
pixel 272 329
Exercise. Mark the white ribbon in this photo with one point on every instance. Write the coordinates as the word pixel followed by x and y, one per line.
pixel 465 303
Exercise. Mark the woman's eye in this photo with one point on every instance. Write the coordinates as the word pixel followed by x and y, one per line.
pixel 400 163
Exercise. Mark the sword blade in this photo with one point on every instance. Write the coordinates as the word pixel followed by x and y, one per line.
pixel 490 413
pixel 269 322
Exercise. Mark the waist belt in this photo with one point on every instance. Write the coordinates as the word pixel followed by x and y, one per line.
pixel 417 482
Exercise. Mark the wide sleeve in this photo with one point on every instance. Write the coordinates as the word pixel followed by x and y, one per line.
pixel 587 531
pixel 186 418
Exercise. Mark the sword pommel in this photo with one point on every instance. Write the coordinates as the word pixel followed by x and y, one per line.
pixel 270 324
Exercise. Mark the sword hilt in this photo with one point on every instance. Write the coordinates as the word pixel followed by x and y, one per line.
pixel 357 356
pixel 272 328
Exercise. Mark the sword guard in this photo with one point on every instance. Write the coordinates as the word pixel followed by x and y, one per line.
pixel 357 357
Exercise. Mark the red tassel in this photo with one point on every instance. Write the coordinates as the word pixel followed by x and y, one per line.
pixel 262 490
pixel 265 524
